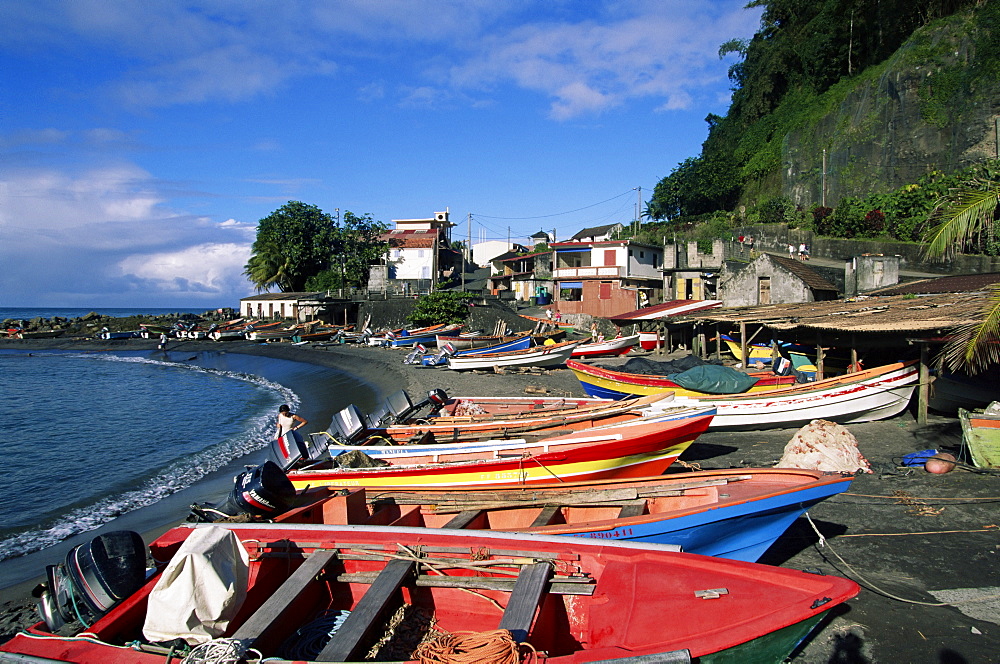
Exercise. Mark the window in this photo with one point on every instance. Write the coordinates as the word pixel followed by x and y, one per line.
pixel 604 290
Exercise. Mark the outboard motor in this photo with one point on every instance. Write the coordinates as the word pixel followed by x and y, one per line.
pixel 263 491
pixel 96 576
pixel 436 399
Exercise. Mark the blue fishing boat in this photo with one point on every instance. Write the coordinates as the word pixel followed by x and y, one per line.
pixel 736 513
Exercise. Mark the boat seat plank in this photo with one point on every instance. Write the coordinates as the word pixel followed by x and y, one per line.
pixel 632 509
pixel 277 603
pixel 546 516
pixel 462 519
pixel 524 600
pixel 351 640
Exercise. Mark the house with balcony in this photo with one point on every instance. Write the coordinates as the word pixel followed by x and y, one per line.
pixel 605 278
pixel 525 276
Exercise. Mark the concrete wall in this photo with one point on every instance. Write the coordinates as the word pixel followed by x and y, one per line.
pixel 776 237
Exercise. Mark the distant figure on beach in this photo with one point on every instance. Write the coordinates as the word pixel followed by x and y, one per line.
pixel 163 341
pixel 791 251
pixel 802 251
pixel 288 421
pixel 558 317
pixel 548 314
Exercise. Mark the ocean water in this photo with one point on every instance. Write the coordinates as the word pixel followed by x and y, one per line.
pixel 90 436
pixel 27 313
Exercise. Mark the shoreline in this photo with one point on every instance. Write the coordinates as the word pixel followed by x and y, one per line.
pixel 906 532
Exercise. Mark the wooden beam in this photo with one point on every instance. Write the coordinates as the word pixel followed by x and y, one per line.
pixel 923 391
pixel 462 519
pixel 282 598
pixel 545 517
pixel 744 356
pixel 351 641
pixel 524 600
pixel 635 508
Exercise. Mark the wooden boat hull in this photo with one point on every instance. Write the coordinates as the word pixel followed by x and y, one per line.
pixel 610 348
pixel 623 451
pixel 866 396
pixel 539 356
pixel 463 343
pixel 573 600
pixel 981 435
pixel 603 383
pixel 511 423
pixel 736 514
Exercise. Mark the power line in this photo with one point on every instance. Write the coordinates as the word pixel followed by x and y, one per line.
pixel 557 214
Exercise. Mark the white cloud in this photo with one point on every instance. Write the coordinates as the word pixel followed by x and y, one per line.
pixel 204 268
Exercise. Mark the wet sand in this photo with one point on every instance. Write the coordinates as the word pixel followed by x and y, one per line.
pixel 902 533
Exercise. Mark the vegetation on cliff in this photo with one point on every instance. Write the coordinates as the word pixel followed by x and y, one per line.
pixel 791 83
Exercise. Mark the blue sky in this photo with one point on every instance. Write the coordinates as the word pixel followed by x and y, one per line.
pixel 140 142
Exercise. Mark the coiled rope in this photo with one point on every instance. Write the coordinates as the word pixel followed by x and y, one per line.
pixel 494 647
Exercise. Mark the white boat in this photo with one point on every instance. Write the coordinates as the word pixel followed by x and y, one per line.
pixel 539 356
pixel 609 348
pixel 865 396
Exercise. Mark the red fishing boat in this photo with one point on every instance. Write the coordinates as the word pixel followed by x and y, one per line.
pixel 303 593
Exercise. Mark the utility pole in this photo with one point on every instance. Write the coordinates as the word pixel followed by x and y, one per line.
pixel 824 179
pixel 468 250
pixel 638 209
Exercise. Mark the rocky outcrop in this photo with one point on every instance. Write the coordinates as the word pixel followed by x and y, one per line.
pixel 934 105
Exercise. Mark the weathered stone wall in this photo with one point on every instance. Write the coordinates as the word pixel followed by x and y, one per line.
pixel 741 289
pixel 896 126
pixel 777 237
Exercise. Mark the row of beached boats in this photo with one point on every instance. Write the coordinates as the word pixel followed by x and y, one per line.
pixel 543 525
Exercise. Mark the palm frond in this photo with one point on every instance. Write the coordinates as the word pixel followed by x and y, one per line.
pixel 975 346
pixel 962 214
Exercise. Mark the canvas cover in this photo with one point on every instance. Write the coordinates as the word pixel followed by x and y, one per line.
pixel 200 590
pixel 714 379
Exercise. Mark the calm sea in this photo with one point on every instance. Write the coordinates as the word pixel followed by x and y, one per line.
pixel 95 438
pixel 27 313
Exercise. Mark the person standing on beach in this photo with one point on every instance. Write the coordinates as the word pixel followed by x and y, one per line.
pixel 288 421
pixel 163 341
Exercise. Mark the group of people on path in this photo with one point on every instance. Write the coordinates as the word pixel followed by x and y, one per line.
pixel 803 251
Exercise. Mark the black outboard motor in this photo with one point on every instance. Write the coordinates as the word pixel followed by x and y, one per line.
pixel 96 576
pixel 264 491
pixel 436 399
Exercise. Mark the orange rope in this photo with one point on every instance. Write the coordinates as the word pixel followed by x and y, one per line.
pixel 496 647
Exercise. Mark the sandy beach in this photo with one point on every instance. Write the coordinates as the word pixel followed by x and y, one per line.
pixel 924 547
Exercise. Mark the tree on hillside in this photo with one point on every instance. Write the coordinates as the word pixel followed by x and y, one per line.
pixel 966 215
pixel 293 243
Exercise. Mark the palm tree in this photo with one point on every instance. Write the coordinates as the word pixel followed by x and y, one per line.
pixel 965 215
pixel 268 266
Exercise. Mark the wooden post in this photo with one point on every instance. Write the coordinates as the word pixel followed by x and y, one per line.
pixel 923 393
pixel 718 343
pixel 819 356
pixel 744 358
pixel 702 346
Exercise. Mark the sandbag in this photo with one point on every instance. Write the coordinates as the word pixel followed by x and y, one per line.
pixel 823 445
pixel 714 379
pixel 200 590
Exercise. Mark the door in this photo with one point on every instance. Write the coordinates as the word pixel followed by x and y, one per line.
pixel 764 290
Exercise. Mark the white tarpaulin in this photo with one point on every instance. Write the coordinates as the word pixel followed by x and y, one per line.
pixel 200 590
